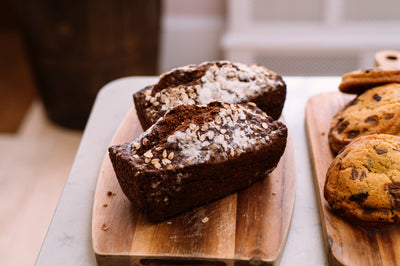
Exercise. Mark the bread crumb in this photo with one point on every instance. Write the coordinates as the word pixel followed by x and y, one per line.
pixel 273 193
pixel 110 193
pixel 169 222
pixel 105 205
pixel 205 220
pixel 104 227
pixel 322 133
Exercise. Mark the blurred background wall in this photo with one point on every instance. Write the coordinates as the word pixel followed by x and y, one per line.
pixel 305 38
pixel 310 37
pixel 191 32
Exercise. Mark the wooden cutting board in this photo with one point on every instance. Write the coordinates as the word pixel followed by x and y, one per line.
pixel 346 244
pixel 247 228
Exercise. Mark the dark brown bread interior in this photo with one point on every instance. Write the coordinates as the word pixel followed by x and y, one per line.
pixel 162 192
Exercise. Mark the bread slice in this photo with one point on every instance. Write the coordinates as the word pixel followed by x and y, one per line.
pixel 195 155
pixel 211 81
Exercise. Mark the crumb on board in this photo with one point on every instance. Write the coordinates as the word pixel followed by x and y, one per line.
pixel 104 227
pixel 105 205
pixel 110 193
pixel 273 193
pixel 322 133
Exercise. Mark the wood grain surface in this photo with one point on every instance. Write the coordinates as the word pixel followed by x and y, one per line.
pixel 246 228
pixel 346 243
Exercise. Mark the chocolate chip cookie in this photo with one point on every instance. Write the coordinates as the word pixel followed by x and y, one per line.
pixel 360 80
pixel 363 181
pixel 375 111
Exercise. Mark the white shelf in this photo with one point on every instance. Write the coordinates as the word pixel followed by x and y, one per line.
pixel 312 38
pixel 247 39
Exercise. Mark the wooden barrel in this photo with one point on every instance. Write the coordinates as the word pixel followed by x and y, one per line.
pixel 77 46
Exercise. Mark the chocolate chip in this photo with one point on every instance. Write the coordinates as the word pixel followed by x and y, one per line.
pixel 380 150
pixel 363 175
pixel 359 198
pixel 351 103
pixel 342 126
pixel 368 210
pixel 388 116
pixel 354 174
pixel 394 189
pixel 352 134
pixel 377 97
pixel 366 71
pixel 372 120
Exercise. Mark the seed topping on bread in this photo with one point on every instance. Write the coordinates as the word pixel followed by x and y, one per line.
pixel 211 81
pixel 225 133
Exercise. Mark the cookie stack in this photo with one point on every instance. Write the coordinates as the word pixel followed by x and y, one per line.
pixel 363 180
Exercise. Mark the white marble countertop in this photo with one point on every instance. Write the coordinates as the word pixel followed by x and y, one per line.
pixel 68 240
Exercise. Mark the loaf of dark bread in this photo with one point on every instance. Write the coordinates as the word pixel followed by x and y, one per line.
pixel 197 154
pixel 211 81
